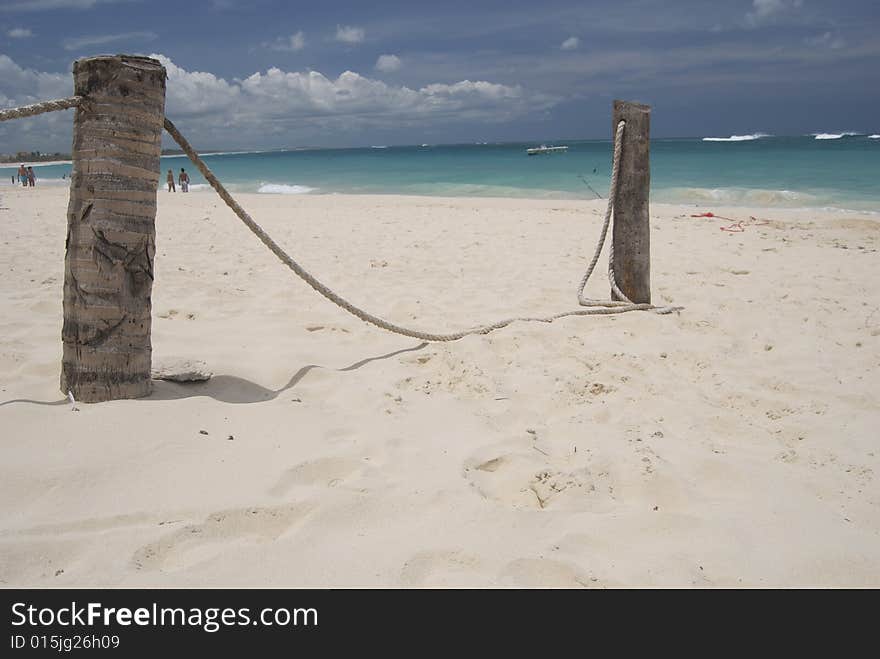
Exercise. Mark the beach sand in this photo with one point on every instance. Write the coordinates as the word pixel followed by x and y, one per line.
pixel 733 444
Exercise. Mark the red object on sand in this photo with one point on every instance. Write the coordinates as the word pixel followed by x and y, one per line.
pixel 717 217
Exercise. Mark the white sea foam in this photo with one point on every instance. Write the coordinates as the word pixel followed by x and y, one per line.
pixel 739 196
pixel 277 188
pixel 46 163
pixel 736 138
pixel 874 137
pixel 213 153
pixel 833 136
pixel 49 181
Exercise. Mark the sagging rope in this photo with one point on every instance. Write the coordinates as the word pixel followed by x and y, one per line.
pixel 594 307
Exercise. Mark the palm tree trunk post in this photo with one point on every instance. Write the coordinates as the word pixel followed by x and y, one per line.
pixel 632 229
pixel 108 266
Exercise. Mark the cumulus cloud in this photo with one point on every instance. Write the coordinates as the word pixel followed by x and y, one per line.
pixel 197 93
pixel 101 39
pixel 767 10
pixel 21 86
pixel 294 42
pixel 19 33
pixel 350 34
pixel 278 108
pixel 388 63
pixel 570 44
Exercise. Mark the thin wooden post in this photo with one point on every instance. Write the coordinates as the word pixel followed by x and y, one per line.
pixel 111 233
pixel 632 237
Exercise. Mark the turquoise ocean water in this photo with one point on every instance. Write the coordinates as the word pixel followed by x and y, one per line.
pixel 830 171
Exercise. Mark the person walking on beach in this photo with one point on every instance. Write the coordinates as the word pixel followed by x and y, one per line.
pixel 31 177
pixel 170 180
pixel 22 176
pixel 183 179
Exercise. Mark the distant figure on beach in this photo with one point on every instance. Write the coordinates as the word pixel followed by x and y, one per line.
pixel 31 177
pixel 22 176
pixel 170 180
pixel 183 179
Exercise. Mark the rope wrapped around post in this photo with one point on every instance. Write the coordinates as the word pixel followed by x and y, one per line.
pixel 40 108
pixel 594 307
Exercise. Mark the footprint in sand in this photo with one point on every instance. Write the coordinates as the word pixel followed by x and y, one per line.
pixel 442 568
pixel 326 472
pixel 218 534
pixel 525 482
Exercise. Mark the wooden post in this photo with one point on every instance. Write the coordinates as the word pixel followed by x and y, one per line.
pixel 108 267
pixel 632 238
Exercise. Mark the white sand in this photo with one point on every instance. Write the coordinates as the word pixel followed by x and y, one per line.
pixel 733 444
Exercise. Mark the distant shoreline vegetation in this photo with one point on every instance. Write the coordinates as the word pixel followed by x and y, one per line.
pixel 38 156
pixel 32 156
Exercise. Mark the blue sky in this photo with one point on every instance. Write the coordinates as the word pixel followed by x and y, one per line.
pixel 275 74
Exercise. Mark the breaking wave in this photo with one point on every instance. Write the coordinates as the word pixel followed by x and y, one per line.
pixel 833 136
pixel 740 197
pixel 736 138
pixel 278 188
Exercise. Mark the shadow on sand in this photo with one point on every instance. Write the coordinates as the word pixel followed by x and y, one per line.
pixel 229 388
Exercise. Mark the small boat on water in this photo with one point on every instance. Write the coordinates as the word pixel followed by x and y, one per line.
pixel 543 150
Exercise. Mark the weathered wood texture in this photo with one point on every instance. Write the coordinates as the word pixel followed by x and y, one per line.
pixel 108 267
pixel 632 239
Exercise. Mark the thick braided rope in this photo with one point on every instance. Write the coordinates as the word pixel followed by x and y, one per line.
pixel 624 300
pixel 594 307
pixel 40 108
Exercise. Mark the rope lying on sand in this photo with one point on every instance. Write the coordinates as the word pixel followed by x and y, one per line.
pixel 593 307
pixel 40 108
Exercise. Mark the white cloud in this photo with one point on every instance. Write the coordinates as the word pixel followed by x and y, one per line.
pixel 570 44
pixel 20 86
pixel 295 42
pixel 767 10
pixel 102 39
pixel 826 40
pixel 197 93
pixel 19 33
pixel 349 34
pixel 388 63
pixel 275 107
pixel 284 107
